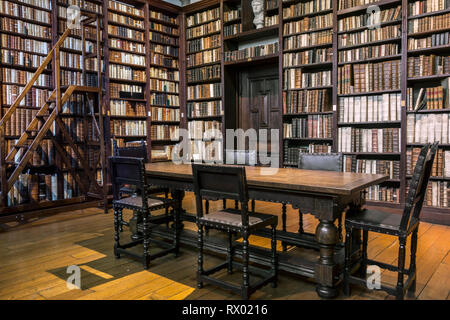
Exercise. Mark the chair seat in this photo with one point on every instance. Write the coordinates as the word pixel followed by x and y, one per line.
pixel 153 203
pixel 233 218
pixel 375 220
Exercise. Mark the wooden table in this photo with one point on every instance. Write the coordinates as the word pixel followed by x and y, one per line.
pixel 325 194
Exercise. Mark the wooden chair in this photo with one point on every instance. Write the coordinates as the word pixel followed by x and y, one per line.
pixel 230 182
pixel 136 152
pixel 131 171
pixel 401 226
pixel 240 157
pixel 314 161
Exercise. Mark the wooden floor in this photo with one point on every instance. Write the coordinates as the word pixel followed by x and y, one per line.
pixel 34 258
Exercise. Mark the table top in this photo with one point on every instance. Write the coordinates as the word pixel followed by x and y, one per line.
pixel 328 182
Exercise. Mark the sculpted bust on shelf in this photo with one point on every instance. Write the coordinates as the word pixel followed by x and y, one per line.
pixel 258 11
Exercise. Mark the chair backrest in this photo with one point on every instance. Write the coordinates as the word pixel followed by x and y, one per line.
pixel 134 152
pixel 220 182
pixel 128 171
pixel 320 161
pixel 418 186
pixel 240 157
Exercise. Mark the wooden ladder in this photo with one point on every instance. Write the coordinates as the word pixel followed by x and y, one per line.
pixel 49 113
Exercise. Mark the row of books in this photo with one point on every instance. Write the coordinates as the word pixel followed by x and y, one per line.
pixel 369 52
pixel 126 108
pixel 204 73
pixel 428 65
pixel 206 151
pixel 386 140
pixel 432 98
pixel 211 90
pixel 426 6
pixel 114 17
pixel 308 40
pixel 204 130
pixel 167 50
pixel 441 164
pixel 165 114
pixel 202 17
pixel 162 16
pixel 163 28
pixel 370 19
pixel 30 45
pixel 164 61
pixel 76 78
pixel 271 4
pixel 312 126
pixel 164 74
pixel 126 8
pixel 19 121
pixel 43 156
pixel 44 4
pixel 204 29
pixel 307 57
pixel 423 128
pixel 164 99
pixel 437 194
pixel 126 73
pixel 203 43
pixel 34 98
pixel 271 20
pixel 163 86
pixel 126 33
pixel 77 44
pixel 383 193
pixel 203 57
pixel 165 132
pixel 302 8
pixel 73 60
pixel 303 101
pixel 232 29
pixel 361 78
pixel 345 4
pixel 26 28
pixel 308 24
pixel 15 76
pixel 373 108
pixel 297 79
pixel 76 128
pixel 128 127
pixel 435 23
pixel 162 153
pixel 24 12
pixel 204 108
pixel 252 52
pixel 434 40
pixel 291 154
pixel 390 168
pixel 129 58
pixel 369 35
pixel 33 188
pixel 232 15
pixel 121 90
pixel 162 38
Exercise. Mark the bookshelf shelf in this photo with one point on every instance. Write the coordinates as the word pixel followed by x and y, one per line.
pixel 306 32
pixel 429 14
pixel 378 42
pixel 382 24
pixel 435 49
pixel 358 9
pixel 433 77
pixel 255 60
pixel 377 59
pixel 254 34
pixel 369 93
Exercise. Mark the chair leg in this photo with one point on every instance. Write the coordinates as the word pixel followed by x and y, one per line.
pixel 340 228
pixel 253 205
pixel 283 224
pixel 274 261
pixel 116 232
pixel 348 248
pixel 412 266
pixel 206 212
pixel 245 273
pixel 200 257
pixel 120 221
pixel 146 257
pixel 401 268
pixel 236 206
pixel 300 221
pixel 230 253
pixel 166 194
pixel 365 239
pixel 176 236
pixel 224 203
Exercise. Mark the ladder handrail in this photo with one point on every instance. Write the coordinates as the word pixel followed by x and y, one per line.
pixel 33 79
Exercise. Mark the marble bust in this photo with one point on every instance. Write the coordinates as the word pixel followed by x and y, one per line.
pixel 258 11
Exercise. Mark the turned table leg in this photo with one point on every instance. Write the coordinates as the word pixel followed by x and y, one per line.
pixel 326 268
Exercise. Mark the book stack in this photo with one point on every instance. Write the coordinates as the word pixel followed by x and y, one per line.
pixel 312 126
pixel 354 140
pixel 252 52
pixel 304 101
